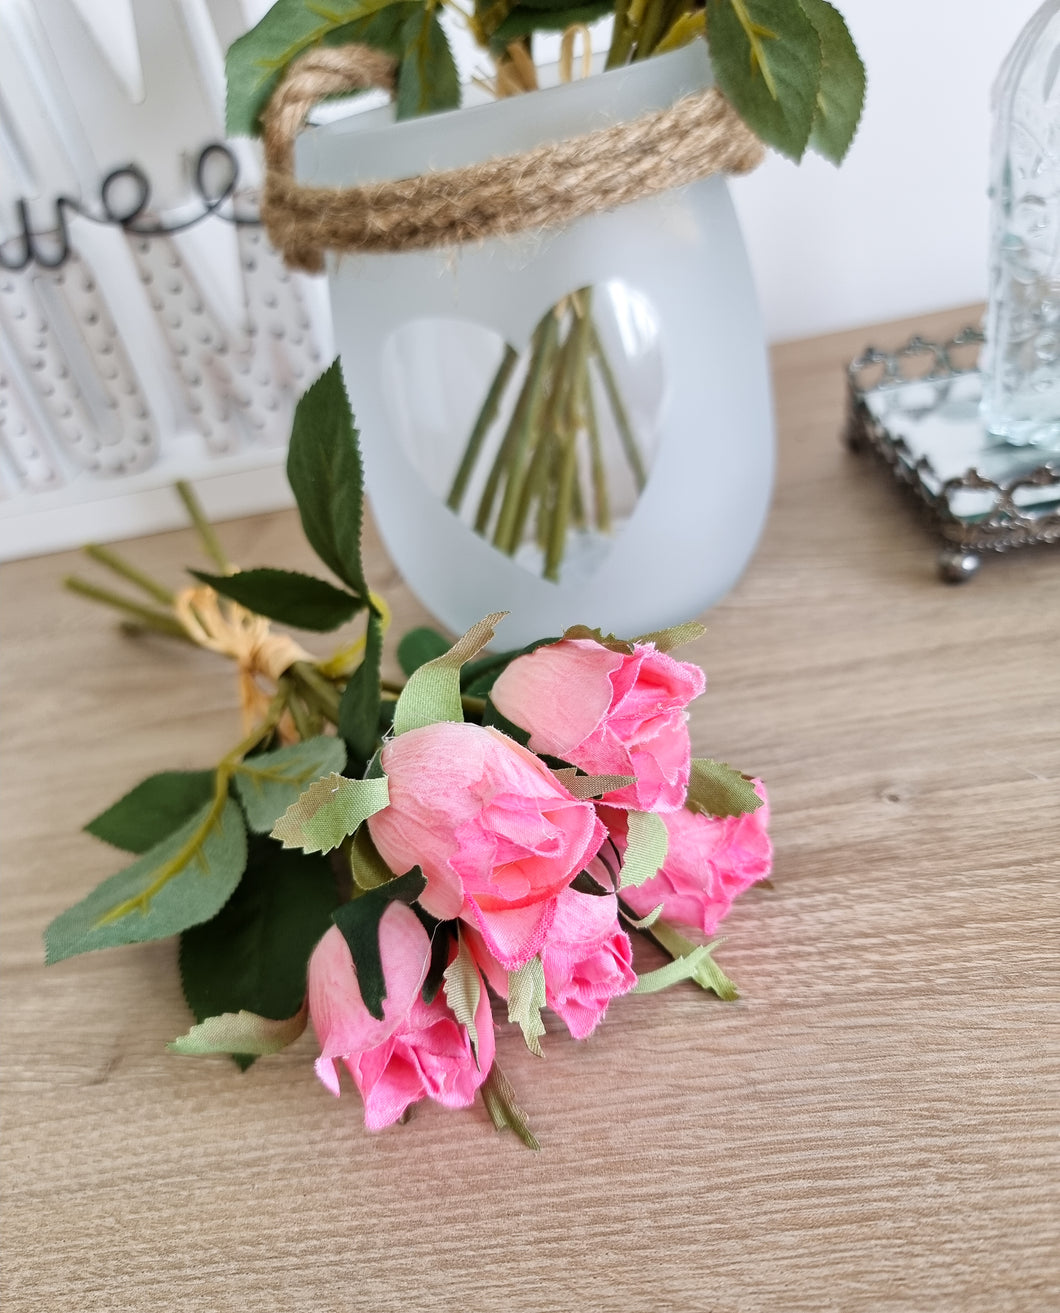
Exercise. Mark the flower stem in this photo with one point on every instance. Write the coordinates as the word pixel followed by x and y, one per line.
pixel 541 370
pixel 486 416
pixel 535 483
pixel 601 496
pixel 318 692
pixel 106 556
pixel 207 535
pixel 621 36
pixel 618 409
pixel 504 453
pixel 557 531
pixel 307 721
pixel 148 617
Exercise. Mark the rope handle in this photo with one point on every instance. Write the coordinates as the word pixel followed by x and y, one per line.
pixel 547 186
pixel 314 75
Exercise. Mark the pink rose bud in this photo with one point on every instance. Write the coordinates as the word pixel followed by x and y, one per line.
pixel 710 862
pixel 609 714
pixel 490 826
pixel 417 1051
pixel 588 960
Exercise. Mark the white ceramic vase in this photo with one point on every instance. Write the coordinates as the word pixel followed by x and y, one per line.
pixel 421 336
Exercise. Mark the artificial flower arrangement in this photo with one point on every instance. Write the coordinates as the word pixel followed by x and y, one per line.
pixel 394 862
pixel 556 453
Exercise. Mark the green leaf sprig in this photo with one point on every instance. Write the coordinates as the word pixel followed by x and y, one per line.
pixel 790 67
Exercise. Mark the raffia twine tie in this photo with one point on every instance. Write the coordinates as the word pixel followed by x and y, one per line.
pixel 246 638
pixel 546 187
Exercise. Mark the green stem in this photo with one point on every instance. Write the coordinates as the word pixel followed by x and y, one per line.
pixel 120 566
pixel 307 721
pixel 621 36
pixel 658 19
pixel 534 485
pixel 486 416
pixel 669 939
pixel 601 496
pixel 561 416
pixel 546 504
pixel 557 533
pixel 504 453
pixel 541 369
pixel 143 615
pixel 618 409
pixel 207 536
pixel 319 693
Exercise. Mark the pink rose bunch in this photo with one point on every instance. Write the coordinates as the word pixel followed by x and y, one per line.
pixel 517 872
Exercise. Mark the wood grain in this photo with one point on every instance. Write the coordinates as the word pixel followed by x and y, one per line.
pixel 872 1127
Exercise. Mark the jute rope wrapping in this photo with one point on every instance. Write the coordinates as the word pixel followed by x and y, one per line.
pixel 546 187
pixel 246 638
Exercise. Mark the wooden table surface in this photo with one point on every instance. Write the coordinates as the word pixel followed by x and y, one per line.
pixel 873 1126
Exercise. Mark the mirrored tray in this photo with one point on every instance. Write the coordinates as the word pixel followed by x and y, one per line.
pixel 917 408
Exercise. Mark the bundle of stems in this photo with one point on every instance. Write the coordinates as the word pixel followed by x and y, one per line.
pixel 549 474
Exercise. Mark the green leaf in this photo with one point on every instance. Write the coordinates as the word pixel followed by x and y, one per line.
pixel 717 790
pixel 526 998
pixel 505 1113
pixel 427 79
pixel 690 963
pixel 841 94
pixel 359 922
pixel 272 781
pixel 463 991
pixel 420 646
pixel 590 786
pixel 645 922
pixel 252 956
pixel 623 646
pixel 432 693
pixel 666 640
pixel 681 968
pixel 439 932
pixel 767 62
pixel 243 1035
pixel 359 708
pixel 328 811
pixel 546 16
pixel 290 598
pixel 154 809
pixel 325 474
pixel 367 866
pixel 182 881
pixel 257 61
pixel 645 849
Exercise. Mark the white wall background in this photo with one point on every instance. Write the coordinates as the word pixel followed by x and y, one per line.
pixel 901 227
